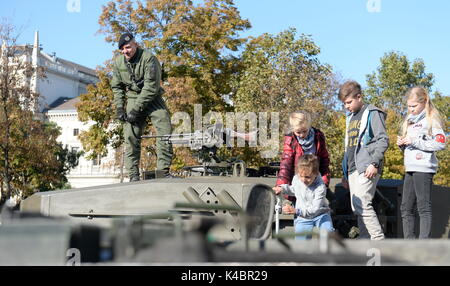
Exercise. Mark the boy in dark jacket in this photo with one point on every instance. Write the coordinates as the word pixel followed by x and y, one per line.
pixel 366 142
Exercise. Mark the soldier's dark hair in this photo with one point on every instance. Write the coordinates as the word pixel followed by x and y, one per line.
pixel 349 88
pixel 310 162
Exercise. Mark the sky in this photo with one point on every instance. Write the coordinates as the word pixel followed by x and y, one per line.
pixel 353 34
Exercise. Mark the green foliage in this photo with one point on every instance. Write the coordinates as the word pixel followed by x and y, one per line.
pixel 442 103
pixel 37 161
pixel 442 177
pixel 283 74
pixel 334 130
pixel 201 49
pixel 196 43
pixel 53 175
pixel 96 106
pixel 395 75
pixel 386 89
pixel 31 158
pixel 393 166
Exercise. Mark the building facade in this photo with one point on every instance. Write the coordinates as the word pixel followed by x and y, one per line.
pixel 88 173
pixel 63 78
pixel 59 92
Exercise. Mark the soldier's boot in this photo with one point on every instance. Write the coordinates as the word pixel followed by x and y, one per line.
pixel 135 178
pixel 161 174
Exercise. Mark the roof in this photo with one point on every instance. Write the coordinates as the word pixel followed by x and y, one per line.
pixel 64 103
pixel 78 67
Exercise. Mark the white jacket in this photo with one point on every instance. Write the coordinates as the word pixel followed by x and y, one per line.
pixel 311 200
pixel 420 155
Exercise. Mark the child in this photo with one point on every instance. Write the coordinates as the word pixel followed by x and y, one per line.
pixel 303 139
pixel 422 136
pixel 311 208
pixel 366 142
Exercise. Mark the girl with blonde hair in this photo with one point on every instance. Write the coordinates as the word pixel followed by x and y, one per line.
pixel 302 139
pixel 422 135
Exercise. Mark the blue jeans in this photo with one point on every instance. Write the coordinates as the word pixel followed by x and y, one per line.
pixel 304 224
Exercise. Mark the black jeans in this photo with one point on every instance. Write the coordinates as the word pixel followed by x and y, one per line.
pixel 417 192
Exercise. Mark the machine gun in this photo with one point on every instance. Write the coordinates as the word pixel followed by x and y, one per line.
pixel 199 139
pixel 206 143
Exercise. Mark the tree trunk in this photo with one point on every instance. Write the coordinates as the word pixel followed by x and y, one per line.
pixel 5 147
pixel 1 191
pixel 6 175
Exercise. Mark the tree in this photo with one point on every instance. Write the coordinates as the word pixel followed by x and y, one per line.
pixel 196 43
pixel 393 165
pixel 283 74
pixel 39 162
pixel 31 157
pixel 96 106
pixel 395 75
pixel 386 88
pixel 442 103
pixel 15 95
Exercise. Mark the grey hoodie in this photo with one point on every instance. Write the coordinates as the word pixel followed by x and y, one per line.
pixel 420 155
pixel 311 201
pixel 373 140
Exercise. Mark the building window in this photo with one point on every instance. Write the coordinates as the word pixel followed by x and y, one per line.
pixel 75 149
pixel 97 161
pixel 76 132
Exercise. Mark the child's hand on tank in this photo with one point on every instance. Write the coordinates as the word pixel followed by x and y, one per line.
pixel 400 141
pixel 288 209
pixel 277 190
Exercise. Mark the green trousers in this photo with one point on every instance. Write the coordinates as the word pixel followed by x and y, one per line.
pixel 160 118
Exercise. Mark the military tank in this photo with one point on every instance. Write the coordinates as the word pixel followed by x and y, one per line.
pixel 221 212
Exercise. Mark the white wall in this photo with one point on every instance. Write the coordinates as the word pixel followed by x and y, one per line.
pixel 86 174
pixel 60 81
pixel 54 87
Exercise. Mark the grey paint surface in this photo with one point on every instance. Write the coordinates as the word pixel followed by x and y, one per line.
pixel 149 197
pixel 389 252
pixel 34 242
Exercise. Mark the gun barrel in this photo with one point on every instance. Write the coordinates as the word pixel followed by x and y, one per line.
pixel 169 136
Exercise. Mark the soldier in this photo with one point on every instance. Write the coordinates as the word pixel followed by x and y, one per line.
pixel 136 85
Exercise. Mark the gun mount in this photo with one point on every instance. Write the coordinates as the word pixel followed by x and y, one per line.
pixel 206 144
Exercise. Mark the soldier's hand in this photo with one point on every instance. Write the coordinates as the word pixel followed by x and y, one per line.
pixel 133 116
pixel 120 114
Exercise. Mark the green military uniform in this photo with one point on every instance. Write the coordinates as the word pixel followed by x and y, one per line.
pixel 137 83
